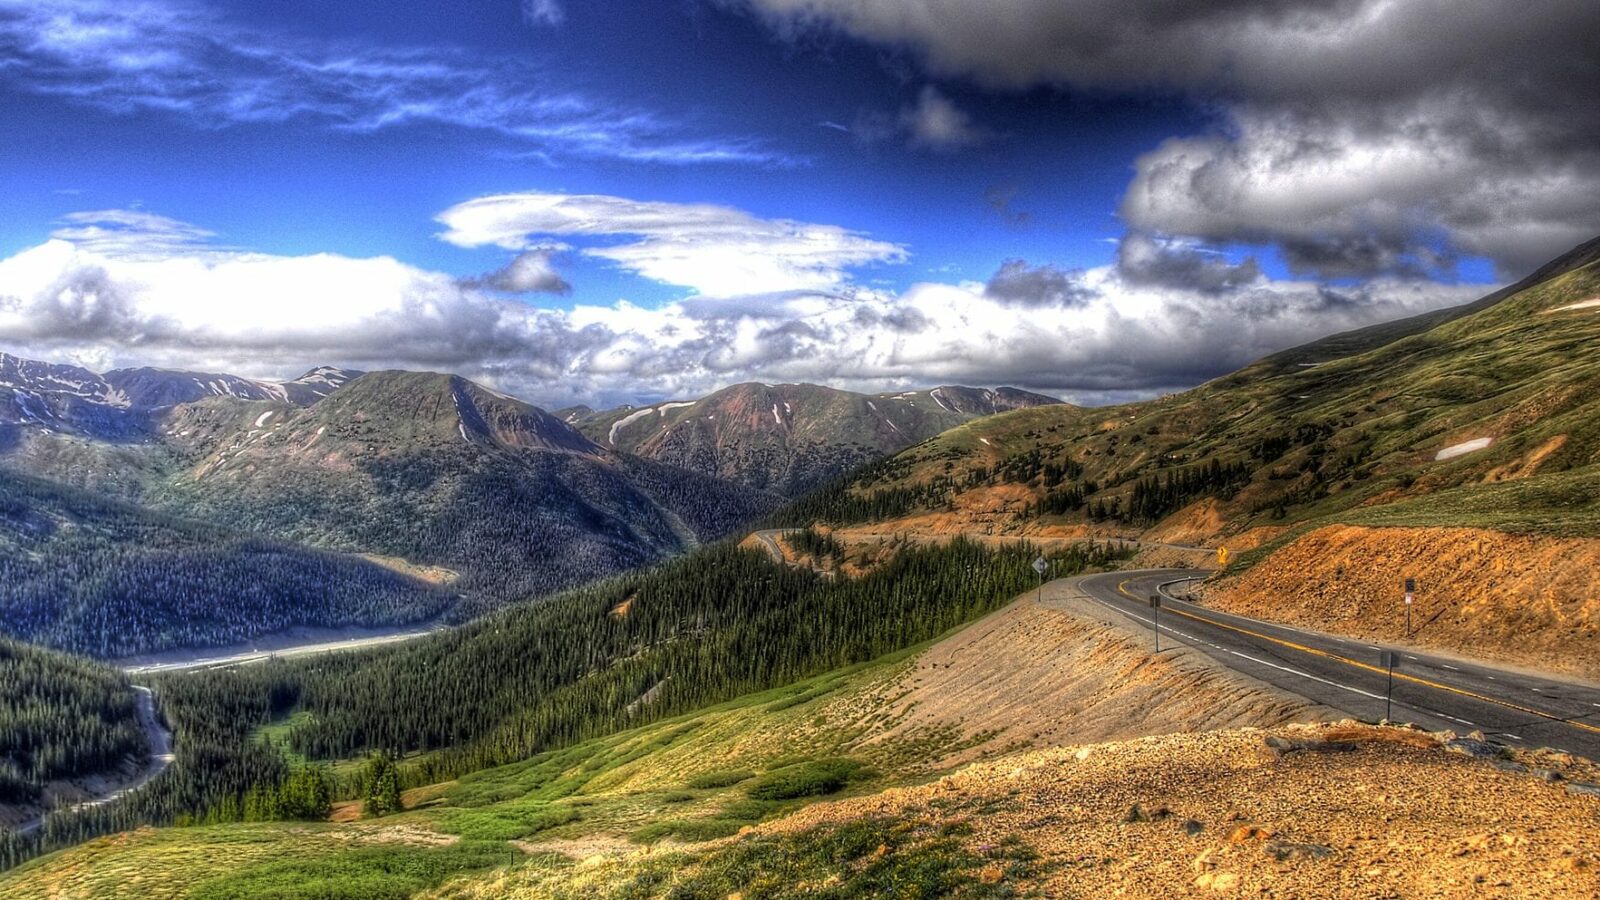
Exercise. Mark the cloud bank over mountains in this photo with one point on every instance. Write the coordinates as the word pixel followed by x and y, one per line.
pixel 772 301
pixel 1362 147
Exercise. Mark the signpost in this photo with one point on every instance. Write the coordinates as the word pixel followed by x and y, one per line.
pixel 1040 566
pixel 1411 596
pixel 1222 556
pixel 1389 660
pixel 1155 604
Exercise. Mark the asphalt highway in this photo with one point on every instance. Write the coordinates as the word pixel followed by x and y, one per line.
pixel 1513 707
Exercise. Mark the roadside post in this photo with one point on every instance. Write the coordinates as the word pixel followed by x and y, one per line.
pixel 1389 659
pixel 1040 566
pixel 1411 595
pixel 1155 604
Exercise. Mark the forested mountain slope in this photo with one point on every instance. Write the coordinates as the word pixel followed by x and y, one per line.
pixel 788 438
pixel 102 577
pixel 431 469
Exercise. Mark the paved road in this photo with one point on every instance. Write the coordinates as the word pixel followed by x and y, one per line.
pixel 159 738
pixel 1515 708
pixel 211 659
pixel 769 541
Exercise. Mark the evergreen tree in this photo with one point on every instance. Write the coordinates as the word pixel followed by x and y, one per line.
pixel 383 793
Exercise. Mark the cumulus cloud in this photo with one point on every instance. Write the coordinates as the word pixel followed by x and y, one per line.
pixel 130 56
pixel 1143 259
pixel 530 272
pixel 1019 283
pixel 712 249
pixel 1090 335
pixel 1359 136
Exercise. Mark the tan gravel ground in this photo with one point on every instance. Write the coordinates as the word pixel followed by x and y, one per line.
pixel 1396 817
pixel 1067 671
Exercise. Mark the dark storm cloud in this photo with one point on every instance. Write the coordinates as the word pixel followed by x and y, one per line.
pixel 1017 282
pixel 1145 260
pixel 1355 134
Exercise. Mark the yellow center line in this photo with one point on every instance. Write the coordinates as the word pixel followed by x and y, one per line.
pixel 1427 682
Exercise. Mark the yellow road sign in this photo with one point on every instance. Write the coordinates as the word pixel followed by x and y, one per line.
pixel 1222 556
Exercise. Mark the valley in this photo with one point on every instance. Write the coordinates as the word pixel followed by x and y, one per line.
pixel 758 656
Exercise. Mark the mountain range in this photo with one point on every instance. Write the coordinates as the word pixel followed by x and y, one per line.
pixel 789 438
pixel 448 489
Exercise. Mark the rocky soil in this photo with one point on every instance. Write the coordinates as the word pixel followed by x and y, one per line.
pixel 1328 810
pixel 1063 670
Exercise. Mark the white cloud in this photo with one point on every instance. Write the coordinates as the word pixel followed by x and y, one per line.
pixel 173 58
pixel 130 232
pixel 938 124
pixel 1087 335
pixel 716 250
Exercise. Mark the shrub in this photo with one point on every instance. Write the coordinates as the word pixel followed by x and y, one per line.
pixel 807 779
pixel 720 779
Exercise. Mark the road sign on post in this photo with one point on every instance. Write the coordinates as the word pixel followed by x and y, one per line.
pixel 1222 556
pixel 1040 566
pixel 1411 596
pixel 1389 660
pixel 1155 604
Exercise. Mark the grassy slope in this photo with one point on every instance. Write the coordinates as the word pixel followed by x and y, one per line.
pixel 688 778
pixel 700 776
pixel 569 823
pixel 1358 433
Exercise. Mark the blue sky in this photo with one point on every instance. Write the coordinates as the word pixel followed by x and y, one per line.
pixel 300 186
pixel 889 156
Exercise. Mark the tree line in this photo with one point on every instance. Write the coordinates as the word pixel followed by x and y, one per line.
pixel 698 630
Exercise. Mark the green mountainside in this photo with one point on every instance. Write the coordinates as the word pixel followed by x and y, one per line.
pixel 107 578
pixel 234 518
pixel 440 471
pixel 1458 413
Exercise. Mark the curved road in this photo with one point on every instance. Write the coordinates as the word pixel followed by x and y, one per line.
pixel 159 738
pixel 1345 673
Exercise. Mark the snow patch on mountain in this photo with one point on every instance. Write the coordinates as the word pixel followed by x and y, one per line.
pixel 625 421
pixel 1463 448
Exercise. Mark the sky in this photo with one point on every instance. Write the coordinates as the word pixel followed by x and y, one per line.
pixel 615 202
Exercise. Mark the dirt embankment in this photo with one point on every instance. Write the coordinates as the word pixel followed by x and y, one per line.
pixel 1065 671
pixel 1382 812
pixel 1521 599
